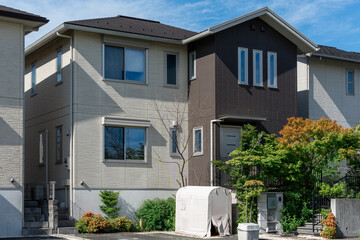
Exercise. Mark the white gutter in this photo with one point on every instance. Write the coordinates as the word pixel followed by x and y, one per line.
pixel 212 150
pixel 203 34
pixel 71 162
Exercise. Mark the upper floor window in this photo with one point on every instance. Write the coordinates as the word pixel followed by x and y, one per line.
pixel 257 68
pixel 350 82
pixel 198 141
pixel 124 63
pixel 171 69
pixel 192 65
pixel 58 66
pixel 243 66
pixel 33 78
pixel 272 69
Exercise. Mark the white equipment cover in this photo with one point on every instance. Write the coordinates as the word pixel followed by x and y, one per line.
pixel 197 208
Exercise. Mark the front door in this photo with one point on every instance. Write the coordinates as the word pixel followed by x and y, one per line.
pixel 229 140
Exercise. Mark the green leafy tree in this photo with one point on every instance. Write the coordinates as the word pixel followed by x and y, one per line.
pixel 110 202
pixel 253 190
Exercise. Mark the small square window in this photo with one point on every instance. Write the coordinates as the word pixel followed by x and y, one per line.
pixel 257 68
pixel 350 86
pixel 192 65
pixel 198 141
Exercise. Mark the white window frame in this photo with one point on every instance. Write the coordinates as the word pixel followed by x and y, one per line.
pixel 58 161
pixel 58 71
pixel 171 142
pixel 126 123
pixel 33 79
pixel 347 82
pixel 192 65
pixel 246 82
pixel 43 148
pixel 261 84
pixel 177 69
pixel 269 54
pixel 146 63
pixel 198 153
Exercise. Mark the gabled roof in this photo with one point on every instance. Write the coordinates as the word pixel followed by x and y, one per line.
pixel 136 26
pixel 334 53
pixel 28 19
pixel 303 44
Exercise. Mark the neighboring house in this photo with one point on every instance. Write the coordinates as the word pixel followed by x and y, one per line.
pixel 245 73
pixel 14 25
pixel 329 86
pixel 91 90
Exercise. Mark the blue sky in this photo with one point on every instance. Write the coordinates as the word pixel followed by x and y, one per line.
pixel 329 22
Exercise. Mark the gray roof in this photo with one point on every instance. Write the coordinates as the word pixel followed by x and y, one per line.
pixel 334 53
pixel 136 26
pixel 15 13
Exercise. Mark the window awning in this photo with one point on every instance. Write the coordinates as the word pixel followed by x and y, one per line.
pixel 243 118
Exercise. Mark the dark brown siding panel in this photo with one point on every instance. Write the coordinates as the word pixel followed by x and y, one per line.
pixel 239 100
pixel 202 108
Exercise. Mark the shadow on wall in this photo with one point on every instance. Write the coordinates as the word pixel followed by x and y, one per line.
pixel 11 215
pixel 127 210
pixel 12 137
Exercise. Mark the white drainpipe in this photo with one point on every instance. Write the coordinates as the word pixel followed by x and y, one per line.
pixel 212 149
pixel 70 163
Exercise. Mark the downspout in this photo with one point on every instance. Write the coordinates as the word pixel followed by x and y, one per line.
pixel 212 149
pixel 70 163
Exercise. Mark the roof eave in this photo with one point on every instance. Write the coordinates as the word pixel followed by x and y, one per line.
pixel 334 57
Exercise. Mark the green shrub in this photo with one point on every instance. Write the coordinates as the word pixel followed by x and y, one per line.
pixel 157 214
pixel 295 212
pixel 110 200
pixel 337 191
pixel 95 223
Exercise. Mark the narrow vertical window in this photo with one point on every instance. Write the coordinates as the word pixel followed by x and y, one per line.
pixel 33 78
pixel 272 69
pixel 192 65
pixel 243 66
pixel 171 69
pixel 59 144
pixel 257 68
pixel 350 82
pixel 198 141
pixel 58 66
pixel 42 147
pixel 174 142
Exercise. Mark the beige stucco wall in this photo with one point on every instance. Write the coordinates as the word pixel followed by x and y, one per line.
pixel 95 98
pixel 46 110
pixel 327 91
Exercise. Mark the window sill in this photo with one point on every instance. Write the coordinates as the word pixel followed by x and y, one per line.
pixel 124 81
pixel 58 162
pixel 58 83
pixel 273 87
pixel 259 86
pixel 124 161
pixel 171 86
pixel 33 94
pixel 243 84
pixel 192 79
pixel 198 154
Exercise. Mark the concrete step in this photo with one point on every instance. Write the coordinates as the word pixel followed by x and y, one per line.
pixel 31 204
pixel 63 216
pixel 36 225
pixel 310 225
pixel 34 218
pixel 32 210
pixel 308 231
pixel 67 230
pixel 37 231
pixel 66 223
pixel 63 211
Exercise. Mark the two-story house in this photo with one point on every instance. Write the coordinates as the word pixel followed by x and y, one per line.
pixel 328 85
pixel 98 93
pixel 93 90
pixel 14 25
pixel 245 73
